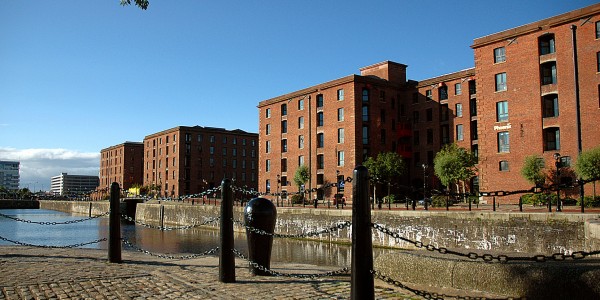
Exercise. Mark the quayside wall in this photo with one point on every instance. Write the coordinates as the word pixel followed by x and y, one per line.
pixel 539 233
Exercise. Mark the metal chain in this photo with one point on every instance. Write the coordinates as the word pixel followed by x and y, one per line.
pixel 53 223
pixel 422 293
pixel 280 274
pixel 167 228
pixel 166 256
pixel 285 193
pixel 331 229
pixel 57 247
pixel 488 257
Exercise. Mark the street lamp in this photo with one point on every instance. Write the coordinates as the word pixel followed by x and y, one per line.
pixel 337 189
pixel 278 182
pixel 557 163
pixel 425 184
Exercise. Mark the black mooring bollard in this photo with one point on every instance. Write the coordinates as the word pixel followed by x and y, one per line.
pixel 362 283
pixel 226 256
pixel 261 214
pixel 114 225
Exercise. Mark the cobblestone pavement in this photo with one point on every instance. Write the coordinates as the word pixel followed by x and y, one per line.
pixel 40 273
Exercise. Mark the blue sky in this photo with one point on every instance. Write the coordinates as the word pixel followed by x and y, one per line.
pixel 80 76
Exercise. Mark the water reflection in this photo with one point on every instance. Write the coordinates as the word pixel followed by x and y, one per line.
pixel 174 242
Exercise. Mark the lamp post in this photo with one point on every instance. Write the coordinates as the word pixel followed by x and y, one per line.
pixel 278 182
pixel 425 185
pixel 557 163
pixel 337 189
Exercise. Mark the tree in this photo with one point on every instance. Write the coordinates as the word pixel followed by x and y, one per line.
pixel 588 165
pixel 301 176
pixel 454 165
pixel 383 168
pixel 533 170
pixel 143 4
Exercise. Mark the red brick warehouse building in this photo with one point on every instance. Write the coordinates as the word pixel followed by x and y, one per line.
pixel 121 164
pixel 517 101
pixel 189 160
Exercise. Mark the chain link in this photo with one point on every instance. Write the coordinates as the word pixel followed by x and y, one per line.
pixel 488 257
pixel 53 247
pixel 167 228
pixel 286 193
pixel 166 256
pixel 280 274
pixel 54 223
pixel 422 293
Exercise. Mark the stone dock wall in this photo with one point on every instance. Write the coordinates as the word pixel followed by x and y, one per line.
pixel 539 233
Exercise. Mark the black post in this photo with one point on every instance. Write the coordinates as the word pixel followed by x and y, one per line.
pixel 261 214
pixel 226 256
pixel 362 283
pixel 114 225
pixel 414 204
pixel 469 199
pixel 581 195
pixel 521 204
pixel 494 202
pixel 447 202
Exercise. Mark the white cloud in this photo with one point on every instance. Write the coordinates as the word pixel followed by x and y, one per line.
pixel 38 165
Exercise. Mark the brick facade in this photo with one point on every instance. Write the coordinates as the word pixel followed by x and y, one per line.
pixel 121 164
pixel 189 160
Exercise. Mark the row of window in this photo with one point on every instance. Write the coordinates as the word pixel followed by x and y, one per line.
pixel 340 157
pixel 320 122
pixel 320 141
pixel 320 102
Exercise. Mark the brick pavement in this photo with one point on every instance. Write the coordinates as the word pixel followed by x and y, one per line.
pixel 39 273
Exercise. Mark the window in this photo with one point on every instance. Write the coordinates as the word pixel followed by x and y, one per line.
pixel 415 98
pixel 546 44
pixel 301 141
pixel 267 113
pixel 416 138
pixel 284 145
pixel 598 30
pixel 340 158
pixel 503 166
pixel 551 139
pixel 340 114
pixel 300 160
pixel 234 152
pixel 457 89
pixel 500 82
pixel 548 71
pixel 365 135
pixel 429 114
pixel 443 92
pixel 320 140
pixel 503 142
pixel 268 186
pixel 268 129
pixel 340 94
pixel 320 179
pixel 499 55
pixel 320 118
pixel 458 110
pixel 319 101
pixel 428 94
pixel 224 151
pixel 284 109
pixel 211 150
pixel 365 95
pixel 301 104
pixel 340 136
pixel 268 146
pixel 382 115
pixel 300 122
pixel 212 139
pixel 444 112
pixel 445 134
pixel 429 136
pixel 550 106
pixel 597 61
pixel 473 107
pixel 284 126
pixel 502 111
pixel 365 113
pixel 459 132
pixel 268 165
pixel 320 161
pixel 415 117
pixel 284 180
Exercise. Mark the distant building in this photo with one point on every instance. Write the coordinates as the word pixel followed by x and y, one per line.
pixel 9 175
pixel 188 160
pixel 122 164
pixel 66 185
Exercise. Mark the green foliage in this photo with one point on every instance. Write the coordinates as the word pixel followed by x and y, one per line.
pixel 588 164
pixel 453 164
pixel 590 201
pixel 538 199
pixel 438 201
pixel 301 176
pixel 385 166
pixel 297 198
pixel 533 168
pixel 143 4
